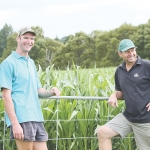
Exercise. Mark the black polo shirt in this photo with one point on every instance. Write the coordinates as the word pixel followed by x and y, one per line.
pixel 135 86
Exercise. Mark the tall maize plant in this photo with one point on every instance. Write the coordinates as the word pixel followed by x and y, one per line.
pixel 78 119
pixel 1 123
pixel 71 123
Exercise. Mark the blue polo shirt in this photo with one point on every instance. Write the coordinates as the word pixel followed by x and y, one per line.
pixel 19 74
pixel 135 86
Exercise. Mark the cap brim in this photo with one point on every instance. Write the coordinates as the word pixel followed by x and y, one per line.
pixel 27 32
pixel 125 49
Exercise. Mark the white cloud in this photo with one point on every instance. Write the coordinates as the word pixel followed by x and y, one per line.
pixel 3 14
pixel 66 17
pixel 6 15
pixel 66 9
pixel 142 18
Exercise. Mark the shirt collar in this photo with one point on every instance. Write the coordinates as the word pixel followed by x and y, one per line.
pixel 14 53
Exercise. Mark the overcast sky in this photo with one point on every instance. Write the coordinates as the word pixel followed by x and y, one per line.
pixel 64 17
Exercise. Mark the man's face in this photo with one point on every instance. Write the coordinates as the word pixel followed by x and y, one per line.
pixel 129 56
pixel 26 42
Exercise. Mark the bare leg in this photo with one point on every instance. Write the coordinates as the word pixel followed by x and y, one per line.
pixel 22 145
pixel 39 146
pixel 105 134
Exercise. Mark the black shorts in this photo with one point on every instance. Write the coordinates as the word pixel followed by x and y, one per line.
pixel 33 131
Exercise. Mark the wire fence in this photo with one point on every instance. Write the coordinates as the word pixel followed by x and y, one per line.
pixel 5 142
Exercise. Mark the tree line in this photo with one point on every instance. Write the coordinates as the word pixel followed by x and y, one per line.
pixel 97 49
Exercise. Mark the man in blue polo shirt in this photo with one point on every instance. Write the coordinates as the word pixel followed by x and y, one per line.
pixel 21 88
pixel 132 83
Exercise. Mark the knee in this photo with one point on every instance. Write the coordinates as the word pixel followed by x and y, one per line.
pixel 101 132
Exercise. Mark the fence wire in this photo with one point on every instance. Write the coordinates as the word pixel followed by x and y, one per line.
pixel 5 142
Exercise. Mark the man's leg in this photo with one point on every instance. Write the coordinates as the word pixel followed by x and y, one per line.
pixel 105 134
pixel 119 125
pixel 142 135
pixel 22 145
pixel 39 146
pixel 33 131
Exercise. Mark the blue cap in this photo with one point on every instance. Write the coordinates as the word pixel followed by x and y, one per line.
pixel 125 45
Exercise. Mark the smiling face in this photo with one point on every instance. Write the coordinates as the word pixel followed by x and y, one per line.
pixel 129 56
pixel 25 43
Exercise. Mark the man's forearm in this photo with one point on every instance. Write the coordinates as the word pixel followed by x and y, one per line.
pixel 42 93
pixel 9 108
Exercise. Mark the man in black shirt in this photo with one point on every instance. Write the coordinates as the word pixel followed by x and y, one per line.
pixel 132 83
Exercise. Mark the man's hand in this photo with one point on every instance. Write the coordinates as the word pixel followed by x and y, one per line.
pixel 18 131
pixel 55 91
pixel 112 101
pixel 148 107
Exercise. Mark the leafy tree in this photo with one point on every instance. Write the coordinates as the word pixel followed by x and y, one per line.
pixel 112 58
pixel 10 46
pixel 99 47
pixel 38 51
pixel 102 40
pixel 78 49
pixel 107 45
pixel 6 31
pixel 63 57
pixel 125 31
pixel 39 32
pixel 52 47
pixel 65 39
pixel 142 40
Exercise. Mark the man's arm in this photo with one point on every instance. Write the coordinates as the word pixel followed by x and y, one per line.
pixel 54 91
pixel 9 108
pixel 113 99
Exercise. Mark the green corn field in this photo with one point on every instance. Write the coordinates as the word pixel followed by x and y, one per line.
pixel 71 123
